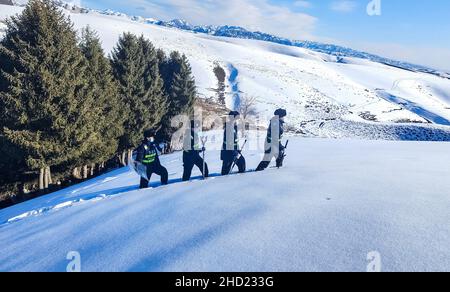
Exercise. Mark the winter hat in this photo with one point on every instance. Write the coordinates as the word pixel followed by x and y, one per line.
pixel 149 133
pixel 234 113
pixel 281 113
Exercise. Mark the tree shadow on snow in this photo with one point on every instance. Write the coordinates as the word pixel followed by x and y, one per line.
pixel 164 257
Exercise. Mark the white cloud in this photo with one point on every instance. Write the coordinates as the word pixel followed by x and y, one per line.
pixel 280 20
pixel 343 6
pixel 257 15
pixel 302 4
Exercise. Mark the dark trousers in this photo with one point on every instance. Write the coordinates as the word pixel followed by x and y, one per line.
pixel 228 163
pixel 157 169
pixel 191 159
pixel 268 158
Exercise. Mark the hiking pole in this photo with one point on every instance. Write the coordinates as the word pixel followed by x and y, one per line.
pixel 235 159
pixel 204 140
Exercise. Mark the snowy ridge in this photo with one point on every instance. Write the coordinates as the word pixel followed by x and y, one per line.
pixel 50 208
pixel 74 196
pixel 326 95
pixel 242 33
pixel 330 49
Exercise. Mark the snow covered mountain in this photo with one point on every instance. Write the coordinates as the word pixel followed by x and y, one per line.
pixel 334 50
pixel 242 33
pixel 333 93
pixel 333 204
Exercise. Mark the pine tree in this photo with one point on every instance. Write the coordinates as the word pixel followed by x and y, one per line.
pixel 102 87
pixel 153 81
pixel 45 111
pixel 183 90
pixel 163 63
pixel 180 88
pixel 135 66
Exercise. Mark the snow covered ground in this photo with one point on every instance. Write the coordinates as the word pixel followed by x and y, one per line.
pixel 333 203
pixel 325 96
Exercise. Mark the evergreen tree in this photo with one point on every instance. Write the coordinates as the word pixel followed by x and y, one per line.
pixel 182 89
pixel 135 66
pixel 179 85
pixel 154 82
pixel 45 111
pixel 102 87
pixel 163 63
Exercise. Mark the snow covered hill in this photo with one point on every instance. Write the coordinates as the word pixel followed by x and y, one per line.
pixel 330 49
pixel 326 95
pixel 335 202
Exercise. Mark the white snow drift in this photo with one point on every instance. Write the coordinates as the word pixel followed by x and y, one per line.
pixel 336 201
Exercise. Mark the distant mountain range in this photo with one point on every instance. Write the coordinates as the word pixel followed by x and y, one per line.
pixel 242 33
pixel 334 50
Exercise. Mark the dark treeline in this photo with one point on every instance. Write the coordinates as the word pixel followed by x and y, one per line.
pixel 67 110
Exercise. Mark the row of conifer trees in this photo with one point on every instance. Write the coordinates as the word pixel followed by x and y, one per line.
pixel 65 107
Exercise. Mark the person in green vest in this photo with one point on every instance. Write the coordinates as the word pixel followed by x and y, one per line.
pixel 148 155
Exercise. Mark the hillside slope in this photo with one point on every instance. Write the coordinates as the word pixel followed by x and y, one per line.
pixel 325 95
pixel 333 203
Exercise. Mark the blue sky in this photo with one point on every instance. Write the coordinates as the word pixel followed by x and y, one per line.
pixel 411 30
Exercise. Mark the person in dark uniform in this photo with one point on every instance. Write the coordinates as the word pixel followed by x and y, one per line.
pixel 148 155
pixel 191 155
pixel 273 146
pixel 230 150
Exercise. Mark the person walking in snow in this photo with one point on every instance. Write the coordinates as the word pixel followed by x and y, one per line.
pixel 273 147
pixel 148 155
pixel 231 154
pixel 191 155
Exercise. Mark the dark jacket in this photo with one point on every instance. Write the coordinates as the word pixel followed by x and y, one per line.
pixel 270 136
pixel 147 153
pixel 230 140
pixel 195 143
